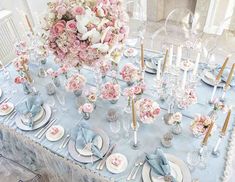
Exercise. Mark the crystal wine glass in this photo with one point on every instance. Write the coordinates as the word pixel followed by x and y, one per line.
pixel 115 127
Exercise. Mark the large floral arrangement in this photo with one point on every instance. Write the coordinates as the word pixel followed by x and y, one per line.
pixel 147 110
pixel 189 97
pixel 110 91
pixel 201 124
pixel 129 73
pixel 85 31
pixel 75 83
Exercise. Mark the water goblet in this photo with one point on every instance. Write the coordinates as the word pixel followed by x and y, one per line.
pixel 115 127
pixel 193 160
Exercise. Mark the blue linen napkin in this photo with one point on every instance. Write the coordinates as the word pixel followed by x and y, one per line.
pixel 159 164
pixel 31 107
pixel 82 135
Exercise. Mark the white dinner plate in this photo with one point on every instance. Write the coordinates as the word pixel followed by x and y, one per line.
pixel 112 168
pixel 175 172
pixel 209 81
pixel 89 159
pixel 146 171
pixel 186 65
pixel 42 122
pixel 87 152
pixel 55 137
pixel 9 111
pixel 130 52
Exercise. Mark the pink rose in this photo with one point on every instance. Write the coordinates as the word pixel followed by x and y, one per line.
pixel 4 106
pixel 71 26
pixel 19 80
pixel 78 11
pixel 58 28
pixel 87 107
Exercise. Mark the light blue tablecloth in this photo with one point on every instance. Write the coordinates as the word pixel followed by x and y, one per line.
pixel 149 135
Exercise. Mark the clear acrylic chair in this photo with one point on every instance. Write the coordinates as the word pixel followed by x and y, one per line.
pixel 12 171
pixel 137 22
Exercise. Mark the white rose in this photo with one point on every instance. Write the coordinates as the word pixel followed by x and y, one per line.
pixel 101 47
pixel 81 28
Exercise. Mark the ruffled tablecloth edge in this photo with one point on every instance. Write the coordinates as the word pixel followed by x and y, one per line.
pixel 229 158
pixel 39 147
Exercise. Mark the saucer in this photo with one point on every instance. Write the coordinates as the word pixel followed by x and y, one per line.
pixel 186 65
pixel 130 52
pixel 116 163
pixel 55 133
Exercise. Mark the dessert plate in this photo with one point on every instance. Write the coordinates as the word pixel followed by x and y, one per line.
pixel 208 78
pixel 116 163
pixel 55 133
pixel 40 123
pixel 8 110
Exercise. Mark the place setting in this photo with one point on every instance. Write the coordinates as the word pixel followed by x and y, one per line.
pixel 34 114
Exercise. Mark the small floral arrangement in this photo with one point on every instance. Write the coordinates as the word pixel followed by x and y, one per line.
pixel 139 88
pixel 21 48
pixel 20 80
pixel 86 108
pixel 129 92
pixel 176 118
pixel 219 106
pixel 75 82
pixel 53 74
pixel 20 61
pixel 147 110
pixel 110 91
pixel 189 98
pixel 129 73
pixel 201 124
pixel 84 32
pixel 91 95
pixel 63 70
pixel 104 67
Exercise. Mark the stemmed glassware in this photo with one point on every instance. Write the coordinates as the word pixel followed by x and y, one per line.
pixel 115 127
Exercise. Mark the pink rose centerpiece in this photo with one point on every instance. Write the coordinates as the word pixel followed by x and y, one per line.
pixel 201 124
pixel 91 95
pixel 23 81
pixel 75 84
pixel 84 32
pixel 86 109
pixel 110 91
pixel 104 67
pixel 139 89
pixel 129 73
pixel 64 70
pixel 147 110
pixel 54 76
pixel 189 98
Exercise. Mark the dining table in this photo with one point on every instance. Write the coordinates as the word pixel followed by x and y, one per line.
pixel 48 159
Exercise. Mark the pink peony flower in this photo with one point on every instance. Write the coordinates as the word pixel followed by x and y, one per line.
pixel 71 26
pixel 78 11
pixel 52 73
pixel 58 28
